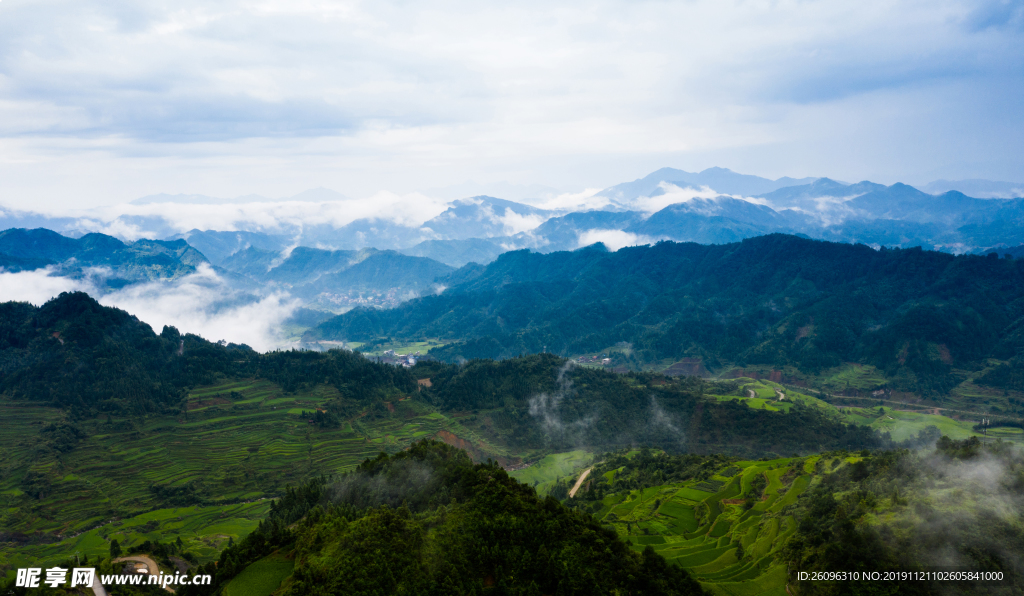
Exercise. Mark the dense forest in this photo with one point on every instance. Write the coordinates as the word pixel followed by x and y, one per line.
pixel 543 400
pixel 429 521
pixel 777 300
pixel 76 354
pixel 957 507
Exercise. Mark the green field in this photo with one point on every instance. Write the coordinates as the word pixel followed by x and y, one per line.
pixel 198 476
pixel 400 347
pixel 730 549
pixel 767 392
pixel 261 578
pixel 545 473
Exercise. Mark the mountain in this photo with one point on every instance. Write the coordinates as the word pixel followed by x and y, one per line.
pixel 380 271
pixel 984 189
pixel 423 521
pixel 361 233
pixel 218 246
pixel 456 253
pixel 336 279
pixel 902 202
pixel 142 260
pixel 485 217
pixel 565 232
pixel 776 300
pixel 721 180
pixel 12 218
pixel 821 197
pixel 716 220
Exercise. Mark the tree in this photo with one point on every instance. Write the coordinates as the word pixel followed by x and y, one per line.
pixel 115 549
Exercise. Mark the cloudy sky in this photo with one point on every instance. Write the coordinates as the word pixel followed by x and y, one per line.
pixel 105 101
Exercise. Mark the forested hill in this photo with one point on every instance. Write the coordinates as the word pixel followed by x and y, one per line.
pixel 427 521
pixel 142 260
pixel 74 353
pixel 777 300
pixel 542 401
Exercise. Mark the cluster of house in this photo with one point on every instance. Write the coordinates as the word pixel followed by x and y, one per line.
pixel 353 298
pixel 603 360
pixel 406 360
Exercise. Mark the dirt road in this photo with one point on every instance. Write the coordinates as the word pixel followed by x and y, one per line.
pixel 579 482
pixel 97 587
pixel 150 564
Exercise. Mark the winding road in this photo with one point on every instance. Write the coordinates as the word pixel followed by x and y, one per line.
pixel 150 564
pixel 579 482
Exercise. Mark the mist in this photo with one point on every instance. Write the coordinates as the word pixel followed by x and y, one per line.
pixel 202 303
pixel 546 409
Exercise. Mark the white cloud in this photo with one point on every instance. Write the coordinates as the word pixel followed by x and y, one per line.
pixel 203 303
pixel 673 194
pixel 586 199
pixel 200 303
pixel 613 239
pixel 515 223
pixel 107 101
pixel 157 220
pixel 37 286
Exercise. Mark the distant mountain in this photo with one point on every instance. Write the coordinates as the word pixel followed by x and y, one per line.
pixel 565 232
pixel 778 300
pixel 338 279
pixel 721 180
pixel 711 221
pixel 983 189
pixel 479 228
pixel 12 218
pixel 142 260
pixel 808 197
pixel 381 271
pixel 362 233
pixel 218 246
pixel 456 253
pixel 485 217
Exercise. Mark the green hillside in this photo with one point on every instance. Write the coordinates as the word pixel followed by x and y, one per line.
pixel 142 260
pixel 749 527
pixel 428 521
pixel 194 452
pixel 926 321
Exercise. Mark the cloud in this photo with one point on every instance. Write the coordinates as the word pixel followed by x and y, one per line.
pixel 159 220
pixel 200 303
pixel 575 201
pixel 672 194
pixel 107 101
pixel 515 223
pixel 546 408
pixel 37 286
pixel 203 303
pixel 613 239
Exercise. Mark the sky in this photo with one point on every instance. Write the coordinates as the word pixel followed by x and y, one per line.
pixel 105 101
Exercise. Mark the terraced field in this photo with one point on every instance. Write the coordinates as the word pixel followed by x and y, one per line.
pixel 705 527
pixel 544 474
pixel 766 396
pixel 241 441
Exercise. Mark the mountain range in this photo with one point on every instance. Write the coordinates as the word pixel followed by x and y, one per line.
pixel 119 263
pixel 922 317
pixel 715 205
pixel 378 261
